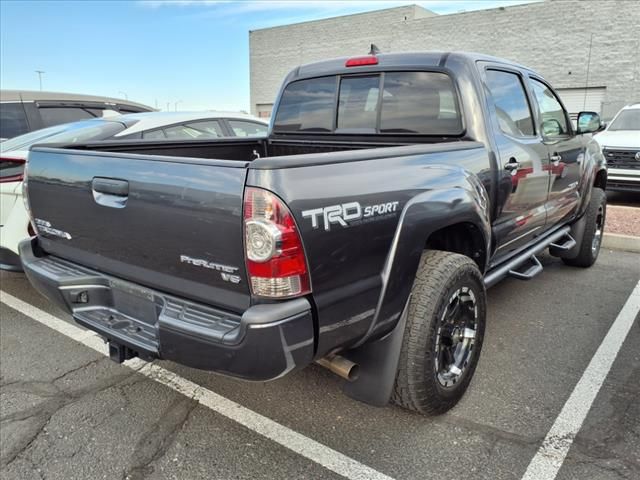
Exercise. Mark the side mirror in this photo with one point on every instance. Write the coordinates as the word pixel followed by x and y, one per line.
pixel 588 122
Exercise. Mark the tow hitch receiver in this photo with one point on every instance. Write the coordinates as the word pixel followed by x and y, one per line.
pixel 119 353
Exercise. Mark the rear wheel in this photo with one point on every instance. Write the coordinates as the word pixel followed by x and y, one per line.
pixel 443 334
pixel 595 217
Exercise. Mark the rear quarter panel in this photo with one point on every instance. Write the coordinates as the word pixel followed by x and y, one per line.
pixel 362 273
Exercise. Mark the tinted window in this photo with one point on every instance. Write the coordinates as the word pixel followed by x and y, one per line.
pixel 358 103
pixel 210 128
pixel 627 120
pixel 510 100
pixel 419 102
pixel 554 120
pixel 247 129
pixel 57 115
pixel 412 103
pixel 307 105
pixel 13 121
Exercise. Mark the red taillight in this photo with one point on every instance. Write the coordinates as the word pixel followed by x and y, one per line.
pixel 274 254
pixel 11 169
pixel 360 61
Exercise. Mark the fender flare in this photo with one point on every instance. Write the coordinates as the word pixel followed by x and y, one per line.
pixel 378 359
pixel 424 214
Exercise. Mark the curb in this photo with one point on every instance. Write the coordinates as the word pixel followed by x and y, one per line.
pixel 616 241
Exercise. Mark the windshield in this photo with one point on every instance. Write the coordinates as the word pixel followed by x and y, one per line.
pixel 626 120
pixel 75 132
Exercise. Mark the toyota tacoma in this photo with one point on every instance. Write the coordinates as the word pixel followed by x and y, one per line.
pixel 361 234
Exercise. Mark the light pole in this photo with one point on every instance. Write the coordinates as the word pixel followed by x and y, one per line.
pixel 168 106
pixel 40 72
pixel 126 97
pixel 175 105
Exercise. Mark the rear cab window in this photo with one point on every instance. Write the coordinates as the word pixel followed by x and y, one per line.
pixel 387 103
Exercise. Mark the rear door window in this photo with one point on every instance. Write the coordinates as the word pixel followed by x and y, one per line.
pixel 414 103
pixel 154 135
pixel 247 129
pixel 209 128
pixel 13 120
pixel 510 102
pixel 56 115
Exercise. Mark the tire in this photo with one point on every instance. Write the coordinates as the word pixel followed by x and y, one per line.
pixel 591 240
pixel 423 382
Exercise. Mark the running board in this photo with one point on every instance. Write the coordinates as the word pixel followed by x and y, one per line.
pixel 511 267
pixel 533 269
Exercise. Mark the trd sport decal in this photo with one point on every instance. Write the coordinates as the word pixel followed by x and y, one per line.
pixel 348 214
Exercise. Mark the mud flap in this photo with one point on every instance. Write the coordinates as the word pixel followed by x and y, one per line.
pixel 378 362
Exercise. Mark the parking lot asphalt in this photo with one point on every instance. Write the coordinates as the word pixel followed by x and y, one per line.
pixel 66 411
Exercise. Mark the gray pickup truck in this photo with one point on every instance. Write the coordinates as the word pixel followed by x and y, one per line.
pixel 361 234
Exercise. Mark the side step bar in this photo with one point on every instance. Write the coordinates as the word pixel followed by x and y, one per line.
pixel 559 239
pixel 533 269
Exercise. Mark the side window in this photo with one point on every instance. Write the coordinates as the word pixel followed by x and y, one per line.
pixel 247 129
pixel 208 128
pixel 57 115
pixel 154 135
pixel 510 100
pixel 13 121
pixel 554 118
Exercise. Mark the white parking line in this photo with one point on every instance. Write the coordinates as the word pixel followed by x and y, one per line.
pixel 298 443
pixel 549 458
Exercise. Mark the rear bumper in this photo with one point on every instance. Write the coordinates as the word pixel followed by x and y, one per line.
pixel 264 343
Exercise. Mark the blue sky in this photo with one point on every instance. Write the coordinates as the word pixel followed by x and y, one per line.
pixel 158 52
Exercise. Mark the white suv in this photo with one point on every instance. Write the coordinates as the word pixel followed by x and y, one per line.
pixel 620 143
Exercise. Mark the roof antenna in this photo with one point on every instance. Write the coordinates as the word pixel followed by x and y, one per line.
pixel 374 50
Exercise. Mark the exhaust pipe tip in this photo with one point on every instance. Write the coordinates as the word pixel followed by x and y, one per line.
pixel 340 366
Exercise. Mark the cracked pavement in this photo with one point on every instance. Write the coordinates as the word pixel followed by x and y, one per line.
pixel 67 412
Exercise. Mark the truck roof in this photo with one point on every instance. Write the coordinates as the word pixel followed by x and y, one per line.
pixel 394 60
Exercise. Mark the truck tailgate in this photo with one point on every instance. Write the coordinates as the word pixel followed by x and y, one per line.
pixel 173 224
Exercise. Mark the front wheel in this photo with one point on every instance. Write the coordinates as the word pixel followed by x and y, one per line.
pixel 591 241
pixel 443 334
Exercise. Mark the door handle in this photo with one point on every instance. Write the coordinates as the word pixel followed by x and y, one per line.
pixel 110 186
pixel 555 159
pixel 110 192
pixel 512 165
